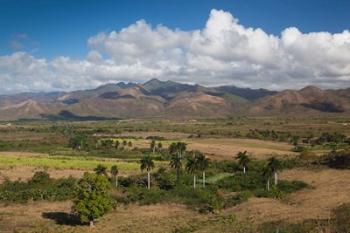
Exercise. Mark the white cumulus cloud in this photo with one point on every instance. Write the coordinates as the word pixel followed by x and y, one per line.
pixel 223 52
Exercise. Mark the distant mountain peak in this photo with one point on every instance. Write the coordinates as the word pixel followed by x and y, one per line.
pixel 154 84
pixel 311 88
pixel 158 98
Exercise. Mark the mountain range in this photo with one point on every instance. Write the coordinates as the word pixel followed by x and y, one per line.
pixel 168 99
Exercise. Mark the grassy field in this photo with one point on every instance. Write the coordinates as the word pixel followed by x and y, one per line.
pixel 327 185
pixel 226 148
pixel 64 162
pixel 27 147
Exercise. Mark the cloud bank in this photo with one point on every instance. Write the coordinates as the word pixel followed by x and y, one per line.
pixel 223 52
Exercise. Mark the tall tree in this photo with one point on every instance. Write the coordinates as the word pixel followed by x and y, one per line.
pixel 114 172
pixel 267 173
pixel 203 164
pixel 295 140
pixel 243 160
pixel 275 165
pixel 160 146
pixel 153 146
pixel 177 148
pixel 92 200
pixel 146 163
pixel 192 167
pixel 176 163
pixel 79 141
pixel 117 144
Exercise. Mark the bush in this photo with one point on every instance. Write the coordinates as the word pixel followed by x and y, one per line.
pixel 238 198
pixel 242 182
pixel 274 192
pixel 337 159
pixel 298 149
pixel 40 187
pixel 204 200
pixel 291 186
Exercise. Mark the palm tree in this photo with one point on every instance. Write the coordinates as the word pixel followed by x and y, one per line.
pixel 243 160
pixel 181 146
pixel 203 164
pixel 176 163
pixel 153 146
pixel 146 163
pixel 159 146
pixel 275 165
pixel 114 172
pixel 117 144
pixel 267 173
pixel 192 167
pixel 295 140
pixel 101 170
pixel 177 148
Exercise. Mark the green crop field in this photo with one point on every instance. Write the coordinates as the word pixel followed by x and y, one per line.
pixel 66 162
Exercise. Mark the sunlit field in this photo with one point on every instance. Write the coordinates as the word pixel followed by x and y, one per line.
pixel 232 201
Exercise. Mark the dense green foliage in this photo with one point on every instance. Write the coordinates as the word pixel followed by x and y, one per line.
pixel 39 187
pixel 92 199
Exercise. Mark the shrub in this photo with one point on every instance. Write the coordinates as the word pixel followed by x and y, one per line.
pixel 40 187
pixel 238 198
pixel 92 199
pixel 291 186
pixel 337 159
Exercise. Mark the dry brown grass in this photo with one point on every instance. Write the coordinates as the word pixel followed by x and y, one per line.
pixel 329 189
pixel 26 172
pixel 154 218
pixel 166 135
pixel 226 149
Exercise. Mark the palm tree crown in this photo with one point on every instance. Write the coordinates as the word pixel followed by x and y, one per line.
pixel 146 163
pixel 101 170
pixel 177 148
pixel 274 164
pixel 243 159
pixel 192 166
pixel 114 170
pixel 175 162
pixel 203 162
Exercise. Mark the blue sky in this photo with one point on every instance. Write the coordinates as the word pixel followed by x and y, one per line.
pixel 62 45
pixel 62 27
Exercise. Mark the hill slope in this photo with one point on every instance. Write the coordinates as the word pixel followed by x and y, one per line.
pixel 157 98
